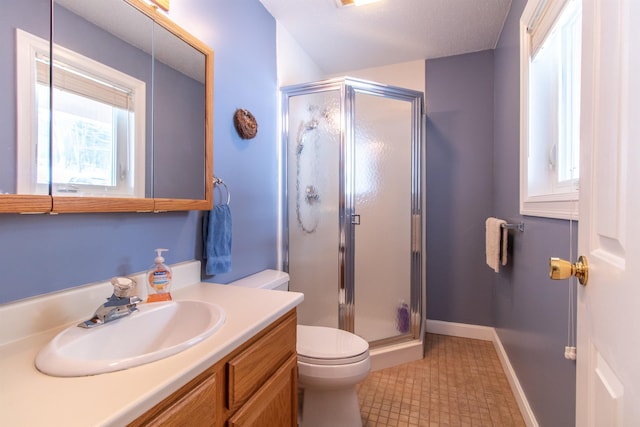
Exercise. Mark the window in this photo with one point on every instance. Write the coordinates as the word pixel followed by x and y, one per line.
pixel 550 46
pixel 97 124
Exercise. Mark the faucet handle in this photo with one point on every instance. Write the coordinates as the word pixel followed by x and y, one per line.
pixel 123 286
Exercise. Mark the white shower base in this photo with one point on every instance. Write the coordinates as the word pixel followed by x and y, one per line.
pixel 390 354
pixel 396 354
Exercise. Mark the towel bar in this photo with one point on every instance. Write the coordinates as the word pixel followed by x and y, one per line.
pixel 519 226
pixel 218 181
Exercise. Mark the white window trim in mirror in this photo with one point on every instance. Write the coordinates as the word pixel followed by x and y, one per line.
pixel 30 47
pixel 538 164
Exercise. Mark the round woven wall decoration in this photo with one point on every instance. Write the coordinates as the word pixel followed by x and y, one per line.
pixel 245 123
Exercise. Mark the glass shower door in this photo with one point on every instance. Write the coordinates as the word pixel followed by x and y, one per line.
pixel 313 194
pixel 382 185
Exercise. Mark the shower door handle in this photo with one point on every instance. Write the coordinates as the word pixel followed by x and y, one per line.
pixel 355 219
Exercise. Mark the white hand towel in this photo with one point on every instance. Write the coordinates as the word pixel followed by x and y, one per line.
pixel 492 241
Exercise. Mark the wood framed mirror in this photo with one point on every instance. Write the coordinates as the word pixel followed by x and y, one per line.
pixel 130 114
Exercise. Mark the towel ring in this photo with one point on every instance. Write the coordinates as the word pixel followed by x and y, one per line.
pixel 216 183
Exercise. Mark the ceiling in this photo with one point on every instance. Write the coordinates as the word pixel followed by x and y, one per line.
pixel 389 32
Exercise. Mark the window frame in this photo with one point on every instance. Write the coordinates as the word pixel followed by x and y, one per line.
pixel 559 204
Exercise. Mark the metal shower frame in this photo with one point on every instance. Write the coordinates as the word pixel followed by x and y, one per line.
pixel 348 88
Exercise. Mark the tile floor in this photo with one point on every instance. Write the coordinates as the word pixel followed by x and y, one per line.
pixel 460 382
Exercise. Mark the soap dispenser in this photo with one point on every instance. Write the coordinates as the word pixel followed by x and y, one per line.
pixel 159 279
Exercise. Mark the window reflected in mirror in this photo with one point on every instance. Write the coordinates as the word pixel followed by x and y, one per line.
pixel 97 125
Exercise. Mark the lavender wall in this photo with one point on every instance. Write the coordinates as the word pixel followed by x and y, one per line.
pixel 459 187
pixel 531 311
pixel 473 172
pixel 42 253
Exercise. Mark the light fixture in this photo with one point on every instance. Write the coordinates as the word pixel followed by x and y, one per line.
pixel 345 3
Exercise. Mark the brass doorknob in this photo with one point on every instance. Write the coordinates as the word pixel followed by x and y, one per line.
pixel 560 269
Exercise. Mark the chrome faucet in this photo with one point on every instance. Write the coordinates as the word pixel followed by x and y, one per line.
pixel 119 304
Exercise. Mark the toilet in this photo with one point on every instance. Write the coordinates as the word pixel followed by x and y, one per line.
pixel 330 364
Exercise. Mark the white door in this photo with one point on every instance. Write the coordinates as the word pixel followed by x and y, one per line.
pixel 608 345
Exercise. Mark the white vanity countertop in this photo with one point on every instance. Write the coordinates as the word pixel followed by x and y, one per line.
pixel 31 398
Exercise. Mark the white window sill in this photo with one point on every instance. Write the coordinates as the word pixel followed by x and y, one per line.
pixel 558 206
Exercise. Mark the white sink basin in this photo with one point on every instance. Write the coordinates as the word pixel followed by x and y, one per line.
pixel 153 332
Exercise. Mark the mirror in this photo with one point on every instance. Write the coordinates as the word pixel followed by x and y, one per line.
pixel 32 16
pixel 131 108
pixel 179 105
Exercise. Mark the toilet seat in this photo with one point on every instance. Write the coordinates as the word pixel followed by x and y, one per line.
pixel 320 345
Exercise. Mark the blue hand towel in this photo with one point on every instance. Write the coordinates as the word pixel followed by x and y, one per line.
pixel 216 231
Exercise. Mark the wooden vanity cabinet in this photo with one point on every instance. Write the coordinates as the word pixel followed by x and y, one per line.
pixel 275 403
pixel 192 405
pixel 254 386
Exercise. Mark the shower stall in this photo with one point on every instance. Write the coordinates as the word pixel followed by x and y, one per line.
pixel 352 209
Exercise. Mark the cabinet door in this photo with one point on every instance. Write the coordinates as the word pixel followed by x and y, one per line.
pixel 275 404
pixel 250 369
pixel 190 406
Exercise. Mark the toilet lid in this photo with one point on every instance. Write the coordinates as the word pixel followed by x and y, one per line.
pixel 322 345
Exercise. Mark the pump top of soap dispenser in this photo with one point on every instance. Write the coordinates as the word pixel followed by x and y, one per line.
pixel 160 259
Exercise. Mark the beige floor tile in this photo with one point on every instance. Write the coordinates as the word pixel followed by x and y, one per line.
pixel 460 382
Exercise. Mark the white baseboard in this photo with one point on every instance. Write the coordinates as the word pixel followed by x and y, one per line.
pixel 487 333
pixel 462 330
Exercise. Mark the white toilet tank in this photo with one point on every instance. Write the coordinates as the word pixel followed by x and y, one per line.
pixel 265 279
